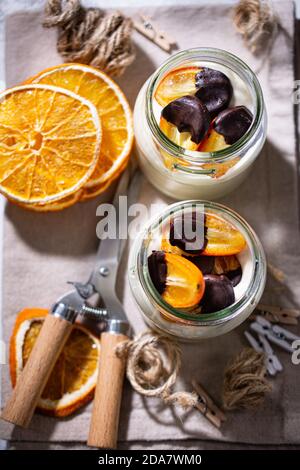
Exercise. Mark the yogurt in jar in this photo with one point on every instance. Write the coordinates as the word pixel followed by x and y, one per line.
pixel 179 169
pixel 171 295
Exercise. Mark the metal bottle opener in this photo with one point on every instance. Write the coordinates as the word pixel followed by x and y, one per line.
pixel 58 326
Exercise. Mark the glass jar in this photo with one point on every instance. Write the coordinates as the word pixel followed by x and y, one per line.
pixel 184 174
pixel 183 325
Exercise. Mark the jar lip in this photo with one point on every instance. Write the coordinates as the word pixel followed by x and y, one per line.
pixel 226 59
pixel 258 274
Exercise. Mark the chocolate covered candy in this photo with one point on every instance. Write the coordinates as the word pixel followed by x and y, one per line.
pixel 215 236
pixel 235 276
pixel 188 232
pixel 204 263
pixel 218 294
pixel 188 114
pixel 214 90
pixel 157 267
pixel 228 127
pixel 233 123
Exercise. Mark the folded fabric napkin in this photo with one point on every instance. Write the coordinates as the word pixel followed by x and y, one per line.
pixel 43 251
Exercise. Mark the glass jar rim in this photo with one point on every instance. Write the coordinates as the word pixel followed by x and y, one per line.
pixel 221 57
pixel 228 313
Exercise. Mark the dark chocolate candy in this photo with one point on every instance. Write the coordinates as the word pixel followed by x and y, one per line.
pixel 214 90
pixel 233 123
pixel 218 293
pixel 235 276
pixel 204 263
pixel 184 232
pixel 188 114
pixel 157 267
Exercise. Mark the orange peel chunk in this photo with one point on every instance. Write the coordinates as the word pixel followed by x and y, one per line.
pixel 185 283
pixel 178 82
pixel 183 139
pixel 223 238
pixel 213 142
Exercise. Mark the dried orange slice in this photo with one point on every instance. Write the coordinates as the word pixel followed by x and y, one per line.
pixel 49 143
pixel 87 193
pixel 84 194
pixel 184 284
pixel 90 193
pixel 112 107
pixel 179 82
pixel 54 206
pixel 73 379
pixel 223 238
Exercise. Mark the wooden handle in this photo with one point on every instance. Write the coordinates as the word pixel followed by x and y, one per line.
pixel 32 380
pixel 106 409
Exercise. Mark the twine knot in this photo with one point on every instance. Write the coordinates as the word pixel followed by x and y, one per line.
pixel 245 384
pixel 256 21
pixel 154 361
pixel 88 36
pixel 153 364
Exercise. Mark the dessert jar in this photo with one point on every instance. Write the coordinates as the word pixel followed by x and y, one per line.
pixel 185 174
pixel 185 325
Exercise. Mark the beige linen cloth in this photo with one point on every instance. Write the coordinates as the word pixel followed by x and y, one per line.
pixel 43 251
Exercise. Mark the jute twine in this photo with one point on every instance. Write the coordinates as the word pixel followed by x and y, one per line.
pixel 154 361
pixel 257 22
pixel 245 384
pixel 153 364
pixel 88 36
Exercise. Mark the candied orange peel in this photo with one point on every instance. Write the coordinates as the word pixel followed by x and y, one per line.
pixel 184 284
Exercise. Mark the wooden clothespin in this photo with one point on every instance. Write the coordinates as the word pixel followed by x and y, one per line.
pixel 286 316
pixel 276 273
pixel 152 32
pixel 274 333
pixel 207 407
